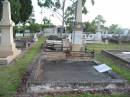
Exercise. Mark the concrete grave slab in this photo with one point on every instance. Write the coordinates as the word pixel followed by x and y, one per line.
pixel 67 75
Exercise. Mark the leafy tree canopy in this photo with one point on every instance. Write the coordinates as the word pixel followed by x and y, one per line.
pixel 114 28
pixel 20 10
pixel 90 27
pixel 15 10
pixel 1 9
pixel 99 19
pixel 26 10
pixel 100 23
pixel 60 7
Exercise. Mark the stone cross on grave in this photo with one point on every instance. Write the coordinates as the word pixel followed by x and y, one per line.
pixel 78 30
pixel 7 45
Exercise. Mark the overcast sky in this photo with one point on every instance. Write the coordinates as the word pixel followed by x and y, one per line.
pixel 113 11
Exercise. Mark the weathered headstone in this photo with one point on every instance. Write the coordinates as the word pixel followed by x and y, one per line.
pixel 78 31
pixel 8 50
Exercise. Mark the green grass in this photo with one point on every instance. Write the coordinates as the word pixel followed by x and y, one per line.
pixel 103 59
pixel 109 61
pixel 99 47
pixel 10 76
pixel 122 71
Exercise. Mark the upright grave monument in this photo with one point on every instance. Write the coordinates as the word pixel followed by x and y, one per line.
pixel 78 30
pixel 8 50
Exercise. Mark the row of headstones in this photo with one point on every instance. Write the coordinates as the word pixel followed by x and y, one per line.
pixel 26 42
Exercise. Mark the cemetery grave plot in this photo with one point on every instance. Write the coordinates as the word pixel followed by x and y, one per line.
pixel 24 42
pixel 72 71
pixel 54 43
pixel 66 53
pixel 68 75
pixel 122 55
pixel 21 43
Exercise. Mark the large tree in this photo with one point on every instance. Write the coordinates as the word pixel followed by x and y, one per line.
pixel 1 9
pixel 60 7
pixel 15 10
pixel 26 10
pixel 71 11
pixel 20 10
pixel 90 27
pixel 114 28
pixel 100 22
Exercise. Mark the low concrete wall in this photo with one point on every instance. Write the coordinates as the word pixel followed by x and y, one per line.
pixel 118 60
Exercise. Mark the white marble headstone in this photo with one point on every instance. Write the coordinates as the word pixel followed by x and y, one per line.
pixel 7 46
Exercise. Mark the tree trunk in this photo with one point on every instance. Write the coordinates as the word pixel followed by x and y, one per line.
pixel 63 10
pixel 14 32
pixel 1 10
pixel 24 29
pixel 63 21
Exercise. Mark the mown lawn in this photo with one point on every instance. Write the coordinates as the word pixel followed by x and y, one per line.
pixel 10 76
pixel 124 72
pixel 99 47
